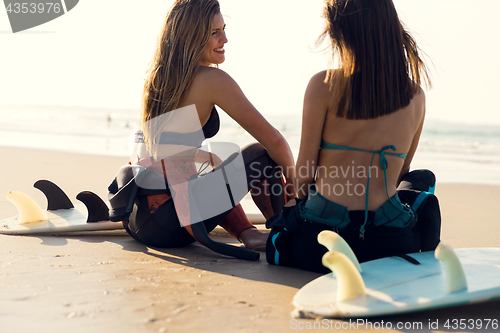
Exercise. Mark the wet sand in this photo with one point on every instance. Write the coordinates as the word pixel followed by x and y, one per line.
pixel 107 282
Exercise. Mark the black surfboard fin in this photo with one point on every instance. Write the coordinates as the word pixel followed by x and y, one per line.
pixel 96 207
pixel 56 198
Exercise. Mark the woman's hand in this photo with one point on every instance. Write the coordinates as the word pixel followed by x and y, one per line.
pixel 289 188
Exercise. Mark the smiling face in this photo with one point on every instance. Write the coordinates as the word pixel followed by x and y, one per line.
pixel 214 51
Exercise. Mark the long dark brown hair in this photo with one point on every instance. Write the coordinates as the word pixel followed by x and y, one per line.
pixel 380 65
pixel 179 49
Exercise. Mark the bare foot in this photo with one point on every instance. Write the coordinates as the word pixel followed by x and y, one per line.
pixel 254 239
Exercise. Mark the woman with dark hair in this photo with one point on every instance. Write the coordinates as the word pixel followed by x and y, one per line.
pixel 183 77
pixel 365 118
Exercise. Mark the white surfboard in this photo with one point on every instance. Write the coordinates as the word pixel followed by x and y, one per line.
pixel 60 215
pixel 62 220
pixel 394 285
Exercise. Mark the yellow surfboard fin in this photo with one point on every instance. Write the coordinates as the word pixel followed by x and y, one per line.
pixel 454 272
pixel 334 242
pixel 29 211
pixel 349 281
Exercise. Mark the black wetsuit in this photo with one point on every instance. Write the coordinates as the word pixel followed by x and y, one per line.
pixel 371 235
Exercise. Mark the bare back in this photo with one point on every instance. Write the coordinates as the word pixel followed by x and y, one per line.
pixel 342 174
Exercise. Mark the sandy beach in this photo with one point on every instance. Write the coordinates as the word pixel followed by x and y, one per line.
pixel 108 282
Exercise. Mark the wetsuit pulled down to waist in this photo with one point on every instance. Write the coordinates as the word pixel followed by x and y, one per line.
pixel 407 222
pixel 321 210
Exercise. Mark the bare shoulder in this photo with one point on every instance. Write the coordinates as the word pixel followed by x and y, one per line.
pixel 211 85
pixel 420 94
pixel 415 112
pixel 213 76
pixel 419 101
pixel 318 89
pixel 318 81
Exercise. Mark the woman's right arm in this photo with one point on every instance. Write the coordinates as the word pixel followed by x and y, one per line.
pixel 228 95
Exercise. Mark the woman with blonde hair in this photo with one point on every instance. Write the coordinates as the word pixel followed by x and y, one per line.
pixel 360 130
pixel 183 77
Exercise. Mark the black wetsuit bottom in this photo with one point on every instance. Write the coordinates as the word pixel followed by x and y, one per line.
pixel 294 241
pixel 162 228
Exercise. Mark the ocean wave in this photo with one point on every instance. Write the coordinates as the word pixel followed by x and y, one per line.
pixel 106 131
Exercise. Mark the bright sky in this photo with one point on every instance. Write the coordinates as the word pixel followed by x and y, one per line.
pixel 96 55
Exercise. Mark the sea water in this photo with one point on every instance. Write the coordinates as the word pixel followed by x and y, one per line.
pixel 456 153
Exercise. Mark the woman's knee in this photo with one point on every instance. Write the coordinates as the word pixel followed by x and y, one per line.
pixel 253 151
pixel 258 164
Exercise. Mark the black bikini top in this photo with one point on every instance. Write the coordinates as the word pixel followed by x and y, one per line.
pixel 194 139
pixel 212 125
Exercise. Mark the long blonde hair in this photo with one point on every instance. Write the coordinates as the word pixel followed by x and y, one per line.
pixel 179 49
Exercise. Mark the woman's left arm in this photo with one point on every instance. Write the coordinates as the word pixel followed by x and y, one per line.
pixel 227 94
pixel 313 120
pixel 416 137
